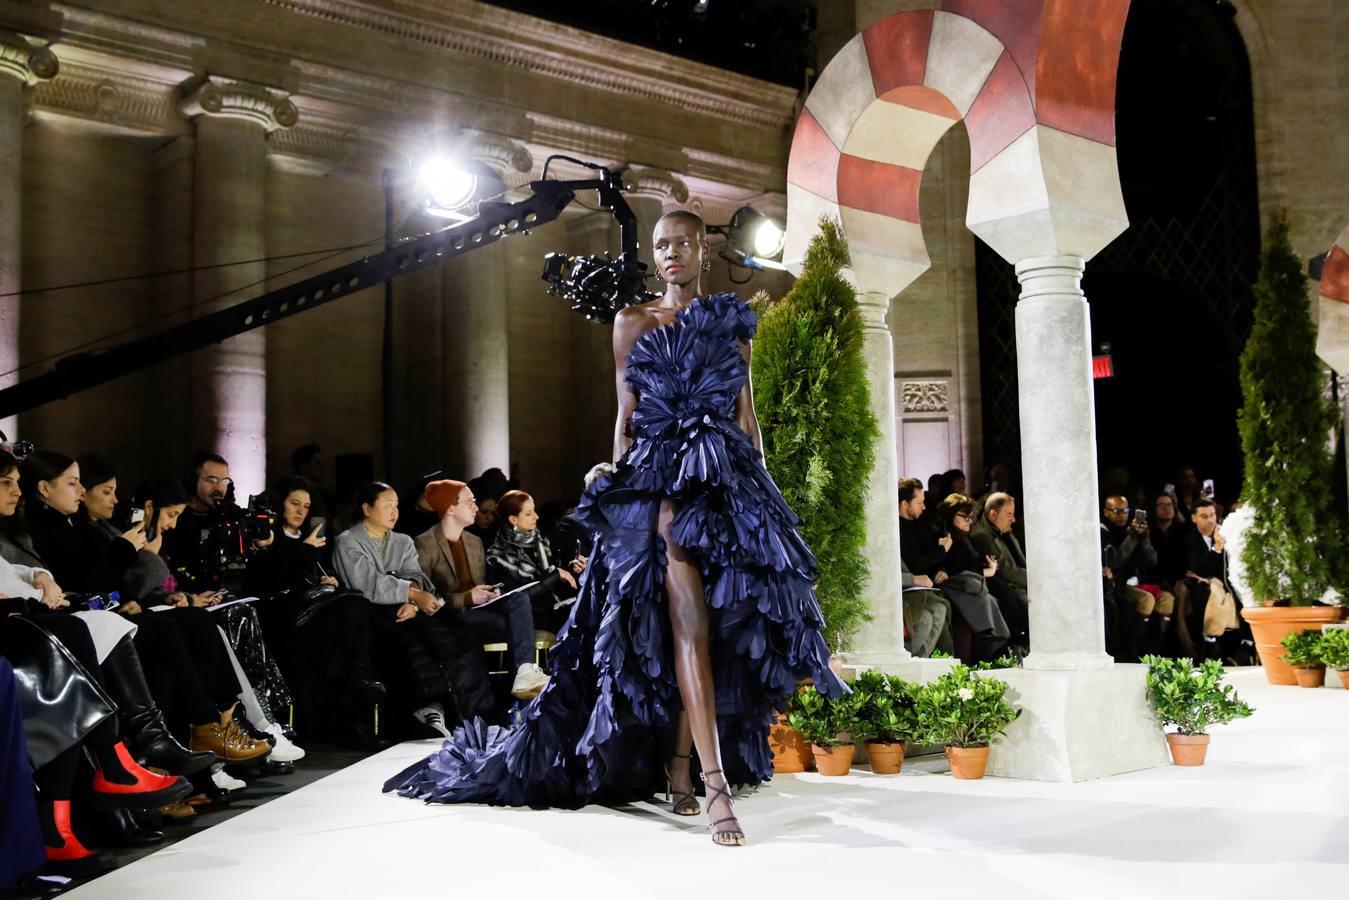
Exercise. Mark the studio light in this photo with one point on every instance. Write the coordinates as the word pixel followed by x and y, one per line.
pixel 752 239
pixel 448 187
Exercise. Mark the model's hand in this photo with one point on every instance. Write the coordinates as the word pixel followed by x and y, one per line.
pixel 598 470
pixel 405 611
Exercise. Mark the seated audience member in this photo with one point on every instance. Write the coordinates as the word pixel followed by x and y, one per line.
pixel 993 536
pixel 322 636
pixel 1167 534
pixel 454 561
pixel 1186 493
pixel 415 516
pixel 53 493
pixel 966 585
pixel 523 554
pixel 1206 559
pixel 919 546
pixel 445 660
pixel 485 522
pixel 927 614
pixel 952 482
pixel 567 536
pixel 1132 561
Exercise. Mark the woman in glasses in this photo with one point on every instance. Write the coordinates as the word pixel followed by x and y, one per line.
pixel 966 585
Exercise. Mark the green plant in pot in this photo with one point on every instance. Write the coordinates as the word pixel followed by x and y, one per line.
pixel 828 724
pixel 966 713
pixel 1193 699
pixel 1302 651
pixel 1295 546
pixel 886 718
pixel 1334 652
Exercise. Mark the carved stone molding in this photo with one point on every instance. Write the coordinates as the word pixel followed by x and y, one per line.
pixel 26 61
pixel 240 100
pixel 657 183
pixel 500 153
pixel 924 397
pixel 122 102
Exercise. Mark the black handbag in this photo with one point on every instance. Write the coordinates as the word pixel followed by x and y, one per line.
pixel 310 602
pixel 61 701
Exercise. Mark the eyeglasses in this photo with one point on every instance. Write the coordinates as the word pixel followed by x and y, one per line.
pixel 213 481
pixel 966 516
pixel 1121 509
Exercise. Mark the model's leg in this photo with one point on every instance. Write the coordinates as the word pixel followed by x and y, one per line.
pixel 693 669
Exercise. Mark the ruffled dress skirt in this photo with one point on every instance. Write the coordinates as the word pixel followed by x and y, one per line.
pixel 599 730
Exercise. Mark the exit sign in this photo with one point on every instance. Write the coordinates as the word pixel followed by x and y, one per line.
pixel 1102 367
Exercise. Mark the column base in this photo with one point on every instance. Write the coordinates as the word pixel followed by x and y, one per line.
pixel 1078 725
pixel 1067 662
pixel 917 669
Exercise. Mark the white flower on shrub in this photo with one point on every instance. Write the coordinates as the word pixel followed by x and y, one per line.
pixel 966 693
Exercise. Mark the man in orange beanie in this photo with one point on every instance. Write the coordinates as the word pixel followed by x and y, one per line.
pixel 455 562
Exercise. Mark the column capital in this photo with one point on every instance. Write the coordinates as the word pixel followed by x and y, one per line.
pixel 261 105
pixel 1043 276
pixel 659 184
pixel 499 152
pixel 25 60
pixel 874 306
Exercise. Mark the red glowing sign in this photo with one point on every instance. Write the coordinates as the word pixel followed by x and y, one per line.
pixel 1102 367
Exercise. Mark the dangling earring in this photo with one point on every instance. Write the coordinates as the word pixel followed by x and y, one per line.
pixel 707 265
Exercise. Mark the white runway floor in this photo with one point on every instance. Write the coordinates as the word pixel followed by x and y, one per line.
pixel 1267 817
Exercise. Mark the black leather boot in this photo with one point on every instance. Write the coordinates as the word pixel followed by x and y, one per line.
pixel 124 828
pixel 143 725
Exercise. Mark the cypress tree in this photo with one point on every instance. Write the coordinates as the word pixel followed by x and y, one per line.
pixel 814 407
pixel 1294 547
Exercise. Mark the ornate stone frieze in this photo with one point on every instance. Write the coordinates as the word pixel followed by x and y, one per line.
pixel 565 54
pixel 122 102
pixel 924 397
pixel 658 183
pixel 240 100
pixel 26 61
pixel 500 153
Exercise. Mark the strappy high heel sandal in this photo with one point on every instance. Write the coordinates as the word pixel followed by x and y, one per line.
pixel 685 803
pixel 726 837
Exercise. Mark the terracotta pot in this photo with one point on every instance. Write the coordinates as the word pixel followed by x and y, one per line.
pixel 791 752
pixel 833 760
pixel 967 762
pixel 1271 624
pixel 1310 676
pixel 1187 749
pixel 886 759
pixel 1344 678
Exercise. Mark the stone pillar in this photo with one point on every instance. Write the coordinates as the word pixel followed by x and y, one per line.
pixel 880 642
pixel 1058 431
pixel 21 65
pixel 229 398
pixel 477 357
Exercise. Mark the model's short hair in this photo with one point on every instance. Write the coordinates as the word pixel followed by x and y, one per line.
pixel 687 215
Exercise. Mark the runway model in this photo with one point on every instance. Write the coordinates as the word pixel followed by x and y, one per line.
pixel 696 616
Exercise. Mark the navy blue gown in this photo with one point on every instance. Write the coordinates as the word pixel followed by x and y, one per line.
pixel 595 732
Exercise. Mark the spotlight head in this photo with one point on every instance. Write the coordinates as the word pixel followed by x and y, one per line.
pixel 751 238
pixel 447 186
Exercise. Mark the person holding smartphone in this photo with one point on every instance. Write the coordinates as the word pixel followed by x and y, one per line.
pixel 1134 559
pixel 322 638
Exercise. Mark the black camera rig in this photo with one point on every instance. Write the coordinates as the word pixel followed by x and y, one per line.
pixel 597 287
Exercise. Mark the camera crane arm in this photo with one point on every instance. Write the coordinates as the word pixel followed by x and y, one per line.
pixel 494 221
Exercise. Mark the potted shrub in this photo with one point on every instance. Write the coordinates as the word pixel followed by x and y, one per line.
pixel 1294 547
pixel 966 713
pixel 886 718
pixel 1192 699
pixel 1302 651
pixel 1335 652
pixel 827 723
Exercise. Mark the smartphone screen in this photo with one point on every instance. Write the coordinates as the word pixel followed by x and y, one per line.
pixel 1141 516
pixel 316 524
pixel 1207 489
pixel 151 522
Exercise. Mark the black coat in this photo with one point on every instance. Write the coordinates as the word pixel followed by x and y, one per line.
pixel 963 555
pixel 918 547
pixel 285 564
pixel 79 558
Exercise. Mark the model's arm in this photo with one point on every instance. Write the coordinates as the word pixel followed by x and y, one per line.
pixel 744 404
pixel 628 327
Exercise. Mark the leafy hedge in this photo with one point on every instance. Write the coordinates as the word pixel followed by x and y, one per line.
pixel 814 407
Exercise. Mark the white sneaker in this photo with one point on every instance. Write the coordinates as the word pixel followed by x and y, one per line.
pixel 283 748
pixel 529 681
pixel 433 717
pixel 225 781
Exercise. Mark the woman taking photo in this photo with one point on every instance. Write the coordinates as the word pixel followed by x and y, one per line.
pixel 448 678
pixel 697 567
pixel 322 633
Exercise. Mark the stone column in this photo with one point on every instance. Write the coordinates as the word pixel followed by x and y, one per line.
pixel 229 393
pixel 477 342
pixel 21 65
pixel 880 642
pixel 1058 435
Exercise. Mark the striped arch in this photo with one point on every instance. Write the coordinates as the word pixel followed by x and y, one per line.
pixel 1033 81
pixel 1332 334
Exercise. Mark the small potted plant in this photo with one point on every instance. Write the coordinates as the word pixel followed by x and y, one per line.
pixel 1334 652
pixel 966 713
pixel 1192 699
pixel 828 723
pixel 886 718
pixel 1302 651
